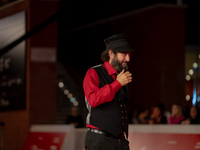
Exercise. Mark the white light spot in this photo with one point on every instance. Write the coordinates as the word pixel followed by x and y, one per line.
pixel 75 103
pixel 191 72
pixel 61 84
pixel 188 77
pixel 66 91
pixel 187 97
pixel 195 65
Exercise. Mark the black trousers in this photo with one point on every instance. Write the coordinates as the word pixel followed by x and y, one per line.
pixel 95 141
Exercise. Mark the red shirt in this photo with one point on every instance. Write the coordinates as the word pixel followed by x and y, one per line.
pixel 95 95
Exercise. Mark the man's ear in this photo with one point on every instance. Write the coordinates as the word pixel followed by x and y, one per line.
pixel 111 54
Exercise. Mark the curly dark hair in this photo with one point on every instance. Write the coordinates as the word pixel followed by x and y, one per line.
pixel 105 56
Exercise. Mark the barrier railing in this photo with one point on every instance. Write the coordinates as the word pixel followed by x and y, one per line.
pixel 141 137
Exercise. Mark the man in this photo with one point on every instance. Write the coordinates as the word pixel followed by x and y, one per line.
pixel 106 95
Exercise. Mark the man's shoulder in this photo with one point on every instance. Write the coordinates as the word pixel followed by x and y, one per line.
pixel 94 68
pixel 93 71
pixel 97 66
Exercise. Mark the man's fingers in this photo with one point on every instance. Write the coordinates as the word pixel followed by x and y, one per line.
pixel 128 79
pixel 128 74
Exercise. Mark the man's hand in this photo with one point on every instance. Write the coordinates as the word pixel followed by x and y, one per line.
pixel 124 77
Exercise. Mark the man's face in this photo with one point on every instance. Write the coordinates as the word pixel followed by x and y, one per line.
pixel 193 112
pixel 120 61
pixel 156 112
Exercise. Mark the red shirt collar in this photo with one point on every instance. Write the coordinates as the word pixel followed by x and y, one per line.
pixel 109 68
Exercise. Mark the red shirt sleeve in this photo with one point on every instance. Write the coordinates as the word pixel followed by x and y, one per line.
pixel 95 95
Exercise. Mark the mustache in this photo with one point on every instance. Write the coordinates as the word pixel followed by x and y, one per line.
pixel 125 62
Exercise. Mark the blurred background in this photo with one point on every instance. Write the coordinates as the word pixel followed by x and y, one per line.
pixel 47 46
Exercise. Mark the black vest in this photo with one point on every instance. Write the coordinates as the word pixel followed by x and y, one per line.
pixel 111 117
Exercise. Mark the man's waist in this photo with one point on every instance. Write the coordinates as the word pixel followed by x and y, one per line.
pixel 98 131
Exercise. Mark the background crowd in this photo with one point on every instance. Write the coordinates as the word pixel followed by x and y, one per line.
pixel 157 115
pixel 153 115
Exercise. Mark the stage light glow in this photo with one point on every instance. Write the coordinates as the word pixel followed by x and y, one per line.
pixel 188 77
pixel 75 103
pixel 194 97
pixel 187 97
pixel 70 95
pixel 66 91
pixel 191 72
pixel 72 99
pixel 61 84
pixel 195 65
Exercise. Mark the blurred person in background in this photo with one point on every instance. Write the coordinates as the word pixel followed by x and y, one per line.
pixel 142 116
pixel 75 118
pixel 157 115
pixel 194 118
pixel 176 115
pixel 106 97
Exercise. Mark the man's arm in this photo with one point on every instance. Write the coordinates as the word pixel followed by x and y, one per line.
pixel 95 95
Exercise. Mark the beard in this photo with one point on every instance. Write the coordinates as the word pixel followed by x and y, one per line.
pixel 117 65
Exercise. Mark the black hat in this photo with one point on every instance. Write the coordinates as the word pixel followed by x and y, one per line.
pixel 118 43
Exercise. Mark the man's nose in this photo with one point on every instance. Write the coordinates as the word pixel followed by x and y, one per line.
pixel 127 57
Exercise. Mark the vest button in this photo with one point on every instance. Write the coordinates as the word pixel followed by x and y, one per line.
pixel 120 105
